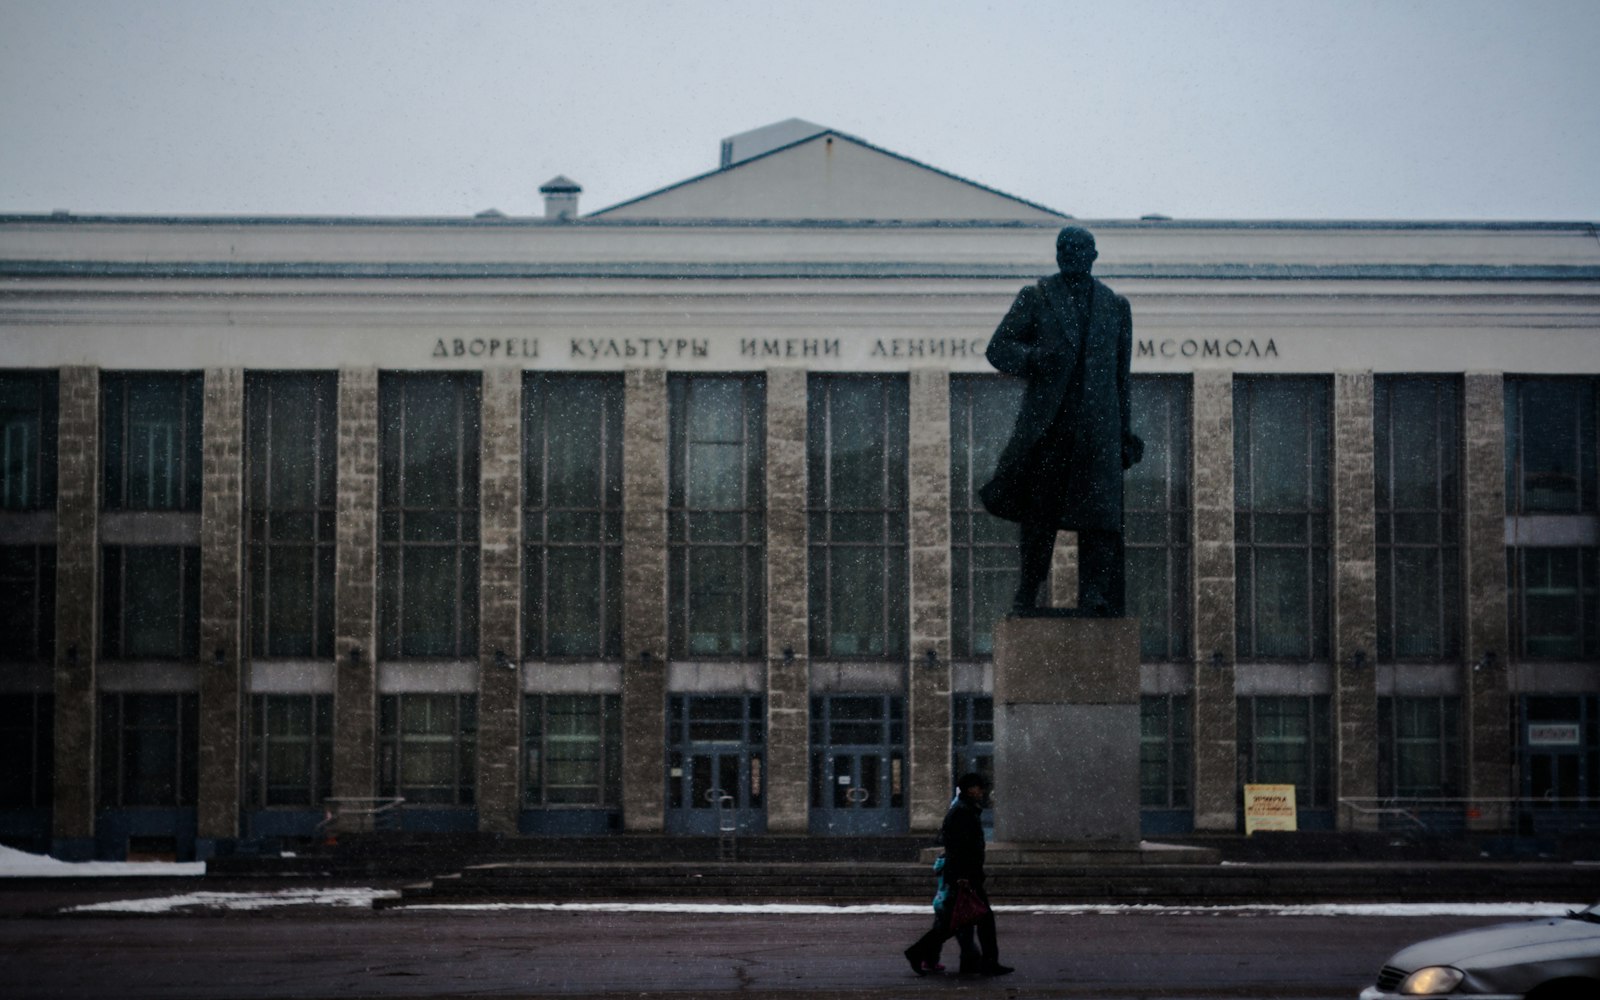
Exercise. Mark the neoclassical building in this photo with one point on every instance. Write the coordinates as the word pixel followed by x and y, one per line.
pixel 630 520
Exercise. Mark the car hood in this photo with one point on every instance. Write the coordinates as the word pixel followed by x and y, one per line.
pixel 1504 944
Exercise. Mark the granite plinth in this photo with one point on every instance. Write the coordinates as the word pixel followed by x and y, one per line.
pixel 1066 712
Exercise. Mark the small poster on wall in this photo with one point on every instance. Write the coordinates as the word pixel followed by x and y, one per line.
pixel 1268 807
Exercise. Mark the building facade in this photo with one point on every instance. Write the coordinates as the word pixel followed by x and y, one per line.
pixel 638 520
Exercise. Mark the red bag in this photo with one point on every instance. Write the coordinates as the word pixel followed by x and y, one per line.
pixel 967 908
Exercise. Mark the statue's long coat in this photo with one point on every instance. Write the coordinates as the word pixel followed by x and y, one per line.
pixel 1040 339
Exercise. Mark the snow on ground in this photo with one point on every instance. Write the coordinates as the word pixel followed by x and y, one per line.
pixel 238 901
pixel 21 864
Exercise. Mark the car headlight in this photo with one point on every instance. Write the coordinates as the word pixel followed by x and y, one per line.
pixel 1432 979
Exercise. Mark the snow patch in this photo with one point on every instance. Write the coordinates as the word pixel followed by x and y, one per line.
pixel 21 864
pixel 238 901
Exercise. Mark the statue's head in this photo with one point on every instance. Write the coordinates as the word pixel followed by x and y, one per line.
pixel 1075 251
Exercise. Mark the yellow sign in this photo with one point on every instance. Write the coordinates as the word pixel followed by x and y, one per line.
pixel 1268 807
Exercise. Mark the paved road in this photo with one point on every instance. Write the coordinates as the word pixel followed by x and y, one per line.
pixel 318 952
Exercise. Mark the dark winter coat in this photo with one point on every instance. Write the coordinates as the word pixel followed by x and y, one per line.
pixel 1086 411
pixel 962 837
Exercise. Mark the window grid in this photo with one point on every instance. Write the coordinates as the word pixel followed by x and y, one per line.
pixel 151 440
pixel 1419 747
pixel 1555 602
pixel 28 421
pixel 149 748
pixel 572 516
pixel 1165 751
pixel 290 760
pixel 28 607
pixel 1416 458
pixel 1281 470
pixel 972 736
pixel 290 512
pixel 572 747
pixel 857 437
pixel 150 602
pixel 1551 447
pixel 1157 518
pixel 428 523
pixel 716 523
pixel 983 548
pixel 27 745
pixel 427 748
pixel 1287 741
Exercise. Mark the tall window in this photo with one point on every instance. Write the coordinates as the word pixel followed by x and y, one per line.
pixel 150 602
pixel 1288 741
pixel 573 748
pixel 428 540
pixel 290 461
pixel 27 440
pixel 1280 480
pixel 1156 519
pixel 1418 485
pixel 1550 445
pixel 27 603
pixel 151 440
pixel 290 760
pixel 971 735
pixel 149 748
pixel 1555 601
pixel 716 505
pixel 1166 750
pixel 1419 747
pixel 1553 564
pixel 27 728
pixel 856 440
pixel 983 548
pixel 428 747
pixel 572 516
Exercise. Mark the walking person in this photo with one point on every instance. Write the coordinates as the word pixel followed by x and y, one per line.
pixel 962 837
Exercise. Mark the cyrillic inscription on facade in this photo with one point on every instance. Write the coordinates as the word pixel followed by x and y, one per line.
pixel 1207 348
pixel 486 347
pixel 929 347
pixel 788 347
pixel 641 348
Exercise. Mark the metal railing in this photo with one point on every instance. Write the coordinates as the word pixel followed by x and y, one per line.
pixel 1445 816
pixel 360 814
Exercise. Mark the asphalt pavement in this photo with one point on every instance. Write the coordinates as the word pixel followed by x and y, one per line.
pixel 355 952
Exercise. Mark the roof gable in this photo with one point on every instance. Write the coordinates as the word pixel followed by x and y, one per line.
pixel 829 176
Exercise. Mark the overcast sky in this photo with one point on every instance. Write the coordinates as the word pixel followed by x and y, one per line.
pixel 1459 110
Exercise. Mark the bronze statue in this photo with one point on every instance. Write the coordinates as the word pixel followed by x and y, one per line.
pixel 1071 337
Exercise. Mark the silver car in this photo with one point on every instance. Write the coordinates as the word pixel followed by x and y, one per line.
pixel 1556 958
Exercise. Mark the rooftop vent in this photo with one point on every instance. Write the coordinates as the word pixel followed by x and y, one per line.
pixel 560 197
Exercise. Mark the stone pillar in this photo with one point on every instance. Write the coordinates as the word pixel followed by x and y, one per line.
pixel 644 599
pixel 929 679
pixel 221 609
pixel 500 603
pixel 355 598
pixel 1215 710
pixel 1355 609
pixel 1487 709
pixel 77 612
pixel 788 662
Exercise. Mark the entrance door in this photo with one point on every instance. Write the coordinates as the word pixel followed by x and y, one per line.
pixel 858 765
pixel 1559 759
pixel 715 764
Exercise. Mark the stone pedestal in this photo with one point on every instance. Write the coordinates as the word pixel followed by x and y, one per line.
pixel 1066 714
